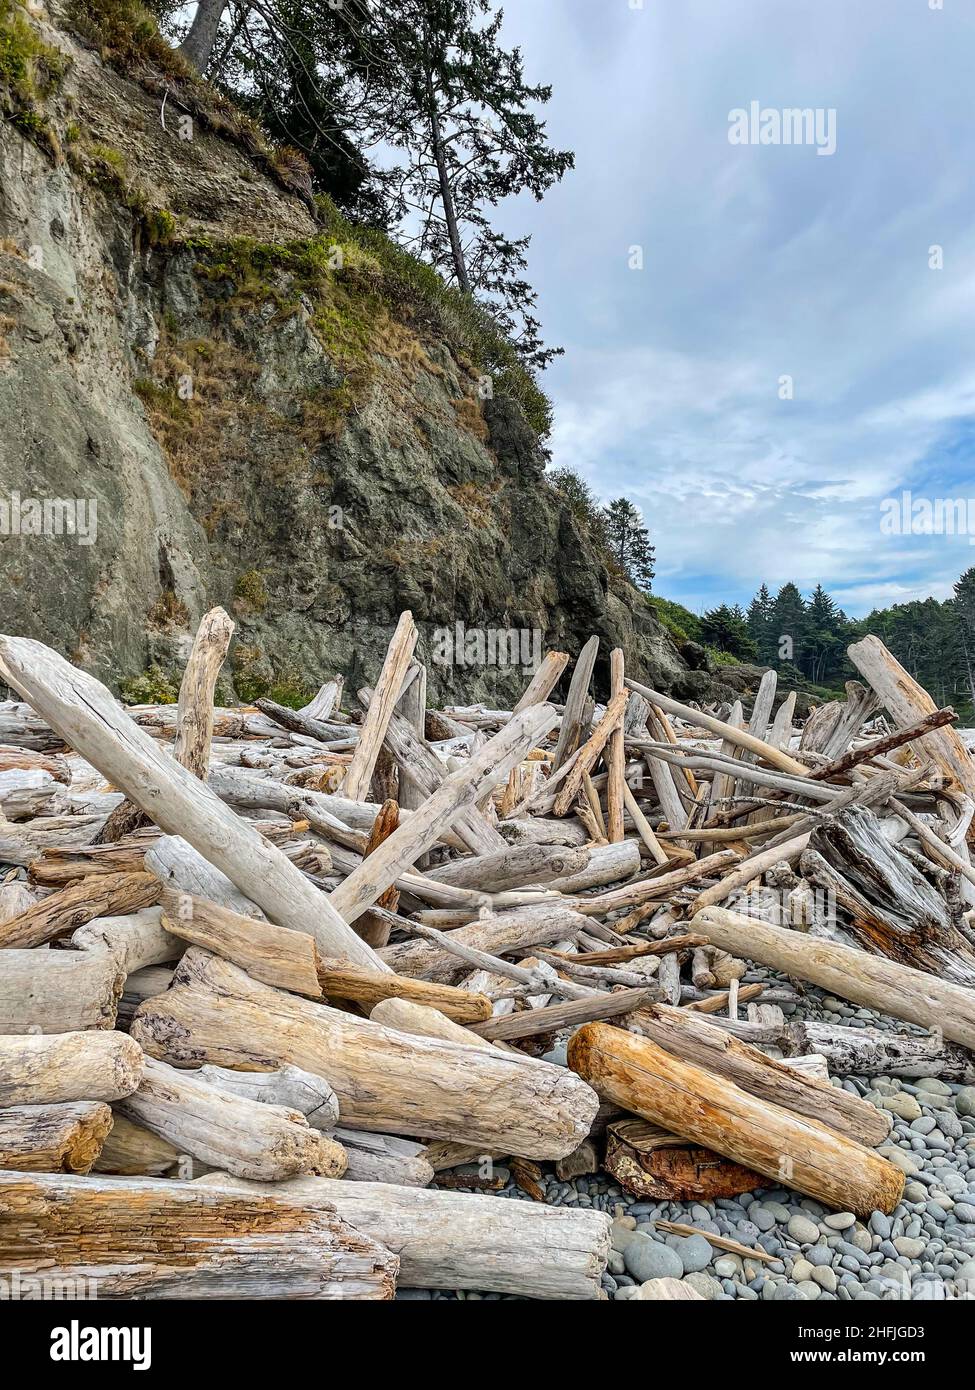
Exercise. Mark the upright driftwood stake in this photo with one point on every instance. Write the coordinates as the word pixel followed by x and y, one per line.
pixel 615 756
pixel 194 714
pixel 395 666
pixel 572 730
pixel 88 719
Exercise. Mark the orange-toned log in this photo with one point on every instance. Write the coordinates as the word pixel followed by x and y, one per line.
pixel 687 1100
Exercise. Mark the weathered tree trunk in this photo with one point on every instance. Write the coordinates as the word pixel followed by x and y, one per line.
pixel 53 1138
pixel 457 1240
pixel 59 991
pixel 714 1112
pixel 142 1238
pixel 99 895
pixel 877 1052
pixel 495 933
pixel 570 735
pixel 908 702
pixel 515 866
pixel 385 1081
pixel 47 1070
pixel 852 974
pixel 197 47
pixel 88 719
pixel 690 1037
pixel 247 1138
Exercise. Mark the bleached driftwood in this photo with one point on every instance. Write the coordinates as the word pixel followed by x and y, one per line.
pixel 226 1130
pixel 286 1086
pixel 87 717
pixel 38 1069
pixel 385 1081
pixel 495 933
pixel 457 1240
pixel 59 991
pixel 398 658
pixel 851 974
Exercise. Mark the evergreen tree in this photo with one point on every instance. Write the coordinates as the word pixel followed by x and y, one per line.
pixel 727 629
pixel 788 624
pixel 760 625
pixel 447 95
pixel 582 503
pixel 964 614
pixel 628 541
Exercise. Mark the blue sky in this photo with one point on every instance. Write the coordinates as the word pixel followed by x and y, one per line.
pixel 762 261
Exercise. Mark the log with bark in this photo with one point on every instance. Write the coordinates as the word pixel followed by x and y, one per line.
pixel 651 1163
pixel 712 1111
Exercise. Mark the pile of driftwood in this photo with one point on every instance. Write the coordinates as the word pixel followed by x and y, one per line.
pixel 275 985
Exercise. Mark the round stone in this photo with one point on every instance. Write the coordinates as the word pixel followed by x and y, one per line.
pixel 694 1252
pixel 904 1106
pixel 727 1266
pixel 840 1220
pixel 965 1101
pixel 803 1230
pixel 649 1259
pixel 825 1278
pixel 913 1249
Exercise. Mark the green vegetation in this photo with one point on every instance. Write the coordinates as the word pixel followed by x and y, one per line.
pixel 250 592
pixel 127 36
pixel 30 70
pixel 153 687
pixel 680 622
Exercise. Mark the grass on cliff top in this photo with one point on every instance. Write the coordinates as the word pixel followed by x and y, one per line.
pixel 355 275
pixel 30 70
pixel 378 274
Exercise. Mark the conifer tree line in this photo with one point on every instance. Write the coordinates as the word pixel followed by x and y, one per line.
pixel 808 638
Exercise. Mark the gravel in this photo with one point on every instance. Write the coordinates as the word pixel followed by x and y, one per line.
pixel 925 1248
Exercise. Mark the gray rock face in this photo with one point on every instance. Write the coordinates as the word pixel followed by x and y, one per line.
pixel 315 470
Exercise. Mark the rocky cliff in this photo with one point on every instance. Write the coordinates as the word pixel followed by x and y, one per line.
pixel 252 404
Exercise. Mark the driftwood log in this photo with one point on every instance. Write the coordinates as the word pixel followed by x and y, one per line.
pixel 226 1130
pixel 45 991
pixel 691 1037
pixel 38 1069
pixel 385 1080
pixel 145 1238
pixel 53 1138
pixel 714 1112
pixel 455 1240
pixel 851 974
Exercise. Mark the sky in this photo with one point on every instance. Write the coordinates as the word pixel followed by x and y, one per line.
pixel 762 262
